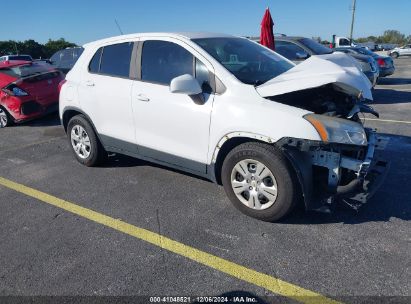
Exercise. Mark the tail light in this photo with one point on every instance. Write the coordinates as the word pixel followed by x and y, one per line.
pixel 61 84
pixel 14 90
pixel 381 62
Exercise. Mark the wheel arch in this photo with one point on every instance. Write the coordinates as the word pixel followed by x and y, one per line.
pixel 298 162
pixel 229 142
pixel 70 112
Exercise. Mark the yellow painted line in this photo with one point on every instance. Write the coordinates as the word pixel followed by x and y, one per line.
pixel 270 283
pixel 388 120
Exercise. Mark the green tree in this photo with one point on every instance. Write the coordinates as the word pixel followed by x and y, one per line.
pixel 393 36
pixel 389 36
pixel 33 48
pixel 8 47
pixel 53 46
pixel 361 40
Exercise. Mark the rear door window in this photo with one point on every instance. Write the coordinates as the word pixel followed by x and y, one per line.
pixel 162 61
pixel 116 58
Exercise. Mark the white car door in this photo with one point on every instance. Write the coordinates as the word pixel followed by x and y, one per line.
pixel 172 128
pixel 105 95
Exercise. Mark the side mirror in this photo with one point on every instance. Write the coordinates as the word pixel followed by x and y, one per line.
pixel 302 55
pixel 185 84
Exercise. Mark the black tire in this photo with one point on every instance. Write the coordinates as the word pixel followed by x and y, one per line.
pixel 97 154
pixel 288 188
pixel 5 117
pixel 395 55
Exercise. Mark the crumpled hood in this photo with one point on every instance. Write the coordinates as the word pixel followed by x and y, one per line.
pixel 337 69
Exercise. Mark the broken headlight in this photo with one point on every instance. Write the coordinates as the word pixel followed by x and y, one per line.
pixel 337 130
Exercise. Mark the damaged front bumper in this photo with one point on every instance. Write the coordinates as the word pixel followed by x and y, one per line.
pixel 333 173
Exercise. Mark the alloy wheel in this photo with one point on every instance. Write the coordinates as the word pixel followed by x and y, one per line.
pixel 80 142
pixel 3 118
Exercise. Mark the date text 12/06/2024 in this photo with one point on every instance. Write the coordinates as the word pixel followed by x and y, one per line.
pixel 233 299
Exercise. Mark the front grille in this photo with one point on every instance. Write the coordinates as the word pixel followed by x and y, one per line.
pixel 30 107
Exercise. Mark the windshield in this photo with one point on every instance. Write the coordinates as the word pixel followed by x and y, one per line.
pixel 66 58
pixel 315 47
pixel 250 62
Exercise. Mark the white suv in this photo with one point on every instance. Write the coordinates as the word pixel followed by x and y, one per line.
pixel 230 110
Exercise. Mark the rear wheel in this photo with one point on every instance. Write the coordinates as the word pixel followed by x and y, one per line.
pixel 260 182
pixel 84 142
pixel 5 119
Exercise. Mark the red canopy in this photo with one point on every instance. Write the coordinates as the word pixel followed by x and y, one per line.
pixel 267 35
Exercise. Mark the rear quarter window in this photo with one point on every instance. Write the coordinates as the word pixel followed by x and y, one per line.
pixel 94 66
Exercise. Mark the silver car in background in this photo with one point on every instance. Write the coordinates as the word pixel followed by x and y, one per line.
pixel 400 51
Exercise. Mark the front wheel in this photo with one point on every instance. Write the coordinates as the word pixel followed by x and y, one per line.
pixel 84 142
pixel 395 55
pixel 260 182
pixel 5 119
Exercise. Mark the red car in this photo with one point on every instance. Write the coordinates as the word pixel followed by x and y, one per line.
pixel 27 90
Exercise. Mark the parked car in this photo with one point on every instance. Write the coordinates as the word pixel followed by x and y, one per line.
pixel 28 90
pixel 16 57
pixel 372 46
pixel 385 63
pixel 386 46
pixel 64 60
pixel 401 51
pixel 230 110
pixel 298 49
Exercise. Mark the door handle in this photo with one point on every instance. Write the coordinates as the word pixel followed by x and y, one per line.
pixel 89 83
pixel 143 97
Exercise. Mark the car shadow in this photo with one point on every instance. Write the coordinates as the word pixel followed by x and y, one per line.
pixel 123 161
pixel 394 81
pixel 392 200
pixel 388 96
pixel 51 124
pixel 49 120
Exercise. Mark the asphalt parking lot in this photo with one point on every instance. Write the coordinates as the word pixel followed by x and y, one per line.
pixel 46 250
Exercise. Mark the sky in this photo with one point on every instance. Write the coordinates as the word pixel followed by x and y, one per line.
pixel 82 21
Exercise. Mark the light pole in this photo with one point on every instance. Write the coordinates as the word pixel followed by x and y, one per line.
pixel 354 3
